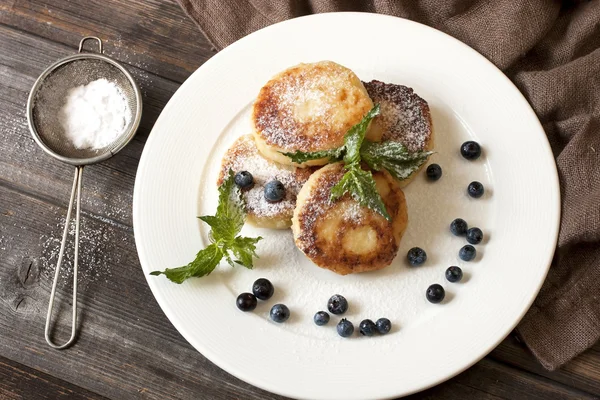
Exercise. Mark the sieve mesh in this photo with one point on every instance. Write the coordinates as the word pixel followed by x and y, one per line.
pixel 51 96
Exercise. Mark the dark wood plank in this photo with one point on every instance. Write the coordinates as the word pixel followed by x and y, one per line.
pixel 583 372
pixel 154 35
pixel 20 382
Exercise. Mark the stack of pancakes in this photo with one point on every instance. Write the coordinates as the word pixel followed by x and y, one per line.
pixel 309 108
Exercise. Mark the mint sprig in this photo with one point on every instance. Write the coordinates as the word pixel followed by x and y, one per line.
pixel 225 225
pixel 361 186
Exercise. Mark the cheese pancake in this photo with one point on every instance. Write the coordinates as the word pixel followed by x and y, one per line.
pixel 308 107
pixel 343 236
pixel 244 156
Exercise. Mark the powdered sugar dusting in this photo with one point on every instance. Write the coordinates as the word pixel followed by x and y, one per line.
pixel 244 156
pixel 404 116
pixel 310 107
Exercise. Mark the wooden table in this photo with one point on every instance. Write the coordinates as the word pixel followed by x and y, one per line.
pixel 127 347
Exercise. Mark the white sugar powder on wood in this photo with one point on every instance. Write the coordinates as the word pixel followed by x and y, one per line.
pixel 94 115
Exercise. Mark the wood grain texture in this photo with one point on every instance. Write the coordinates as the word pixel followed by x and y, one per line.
pixel 127 347
pixel 20 382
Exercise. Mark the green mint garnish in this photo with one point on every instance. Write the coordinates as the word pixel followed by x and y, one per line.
pixel 393 157
pixel 225 225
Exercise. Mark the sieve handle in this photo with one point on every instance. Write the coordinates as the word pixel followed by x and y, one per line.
pixel 75 193
pixel 91 38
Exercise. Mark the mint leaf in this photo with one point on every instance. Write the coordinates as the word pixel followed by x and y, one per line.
pixel 205 262
pixel 244 248
pixel 393 157
pixel 300 157
pixel 231 211
pixel 354 138
pixel 361 186
pixel 225 226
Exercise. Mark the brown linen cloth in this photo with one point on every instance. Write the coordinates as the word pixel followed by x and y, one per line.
pixel 551 51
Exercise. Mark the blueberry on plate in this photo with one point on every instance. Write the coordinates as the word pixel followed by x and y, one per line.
pixel 467 253
pixel 435 293
pixel 244 180
pixel 470 150
pixel 337 304
pixel 383 325
pixel 434 172
pixel 474 236
pixel 458 227
pixel 475 189
pixel 280 313
pixel 321 318
pixel 454 274
pixel 263 289
pixel 367 327
pixel 345 328
pixel 416 256
pixel 246 302
pixel 274 191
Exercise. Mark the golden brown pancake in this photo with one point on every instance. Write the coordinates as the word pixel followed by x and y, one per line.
pixel 244 156
pixel 308 108
pixel 343 236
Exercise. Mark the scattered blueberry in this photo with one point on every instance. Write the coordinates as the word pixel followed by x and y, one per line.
pixel 274 191
pixel 263 289
pixel 246 302
pixel 337 304
pixel 244 180
pixel 383 325
pixel 435 293
pixel 470 150
pixel 454 274
pixel 434 172
pixel 467 253
pixel 458 227
pixel 367 327
pixel 345 328
pixel 280 313
pixel 416 256
pixel 474 236
pixel 321 318
pixel 475 189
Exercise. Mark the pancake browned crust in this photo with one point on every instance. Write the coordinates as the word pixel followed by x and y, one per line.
pixel 308 107
pixel 343 236
pixel 404 116
pixel 244 156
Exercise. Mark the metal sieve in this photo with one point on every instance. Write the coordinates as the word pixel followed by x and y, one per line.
pixel 45 101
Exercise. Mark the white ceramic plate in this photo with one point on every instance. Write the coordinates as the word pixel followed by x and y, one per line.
pixel 519 214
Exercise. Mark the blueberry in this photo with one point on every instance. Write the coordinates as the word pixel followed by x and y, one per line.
pixel 416 256
pixel 435 293
pixel 337 304
pixel 280 313
pixel 470 150
pixel 263 289
pixel 474 236
pixel 244 180
pixel 467 253
pixel 345 328
pixel 458 227
pixel 383 325
pixel 434 172
pixel 274 191
pixel 246 302
pixel 321 318
pixel 454 274
pixel 367 327
pixel 475 189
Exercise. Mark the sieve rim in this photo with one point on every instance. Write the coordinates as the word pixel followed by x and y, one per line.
pixel 124 138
